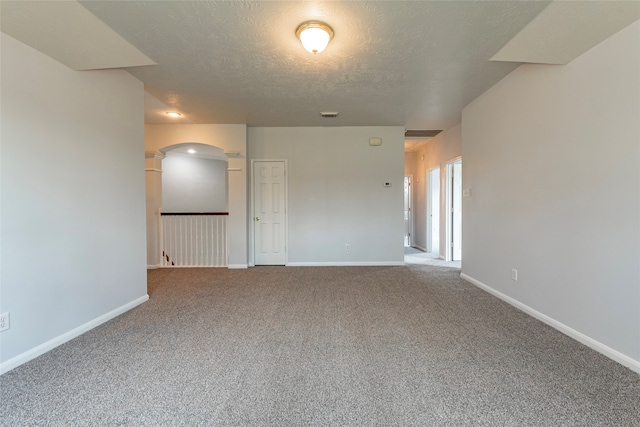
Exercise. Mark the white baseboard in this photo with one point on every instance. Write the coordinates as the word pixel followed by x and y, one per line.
pixel 623 359
pixel 420 247
pixel 345 264
pixel 153 267
pixel 28 355
pixel 192 266
pixel 230 266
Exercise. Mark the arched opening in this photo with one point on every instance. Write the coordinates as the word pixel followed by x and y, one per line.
pixel 194 206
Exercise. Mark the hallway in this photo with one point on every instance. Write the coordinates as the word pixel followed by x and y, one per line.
pixel 416 256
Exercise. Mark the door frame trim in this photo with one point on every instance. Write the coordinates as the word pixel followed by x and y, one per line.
pixel 449 204
pixel 251 216
pixel 411 210
pixel 429 209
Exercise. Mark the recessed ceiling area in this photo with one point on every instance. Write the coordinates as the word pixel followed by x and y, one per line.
pixel 414 64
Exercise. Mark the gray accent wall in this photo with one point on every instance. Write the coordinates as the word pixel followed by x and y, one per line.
pixel 552 160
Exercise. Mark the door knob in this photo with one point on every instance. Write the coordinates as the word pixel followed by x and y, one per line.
pixel 257 218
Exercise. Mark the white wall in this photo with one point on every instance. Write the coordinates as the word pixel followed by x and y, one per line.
pixel 192 184
pixel 435 152
pixel 336 193
pixel 231 138
pixel 552 157
pixel 72 188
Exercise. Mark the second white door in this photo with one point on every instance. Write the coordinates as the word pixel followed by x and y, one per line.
pixel 269 186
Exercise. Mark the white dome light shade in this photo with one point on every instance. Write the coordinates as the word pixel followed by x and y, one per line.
pixel 315 40
pixel 314 35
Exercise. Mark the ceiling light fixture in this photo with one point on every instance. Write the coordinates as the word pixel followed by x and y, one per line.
pixel 191 151
pixel 314 35
pixel 173 114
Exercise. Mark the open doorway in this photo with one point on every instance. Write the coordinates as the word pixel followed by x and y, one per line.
pixel 454 211
pixel 433 211
pixel 408 220
pixel 194 206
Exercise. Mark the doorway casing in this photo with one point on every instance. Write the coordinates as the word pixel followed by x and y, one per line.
pixel 453 186
pixel 408 210
pixel 433 210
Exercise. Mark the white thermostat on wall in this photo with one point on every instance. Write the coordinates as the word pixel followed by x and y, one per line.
pixel 387 184
pixel 375 141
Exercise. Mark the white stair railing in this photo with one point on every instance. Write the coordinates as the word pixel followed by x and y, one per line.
pixel 194 239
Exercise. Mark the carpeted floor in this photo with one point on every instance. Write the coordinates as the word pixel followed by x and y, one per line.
pixel 323 346
pixel 416 256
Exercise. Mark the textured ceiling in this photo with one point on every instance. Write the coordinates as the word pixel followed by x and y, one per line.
pixel 414 64
pixel 408 63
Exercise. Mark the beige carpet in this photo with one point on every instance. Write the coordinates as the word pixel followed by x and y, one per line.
pixel 352 346
pixel 416 256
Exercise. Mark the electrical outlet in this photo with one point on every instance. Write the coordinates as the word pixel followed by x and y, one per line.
pixel 4 321
pixel 514 274
pixel 347 247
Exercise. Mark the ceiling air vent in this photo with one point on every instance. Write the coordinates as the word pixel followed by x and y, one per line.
pixel 421 133
pixel 328 114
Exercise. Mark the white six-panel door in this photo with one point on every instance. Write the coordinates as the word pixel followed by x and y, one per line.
pixel 269 186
